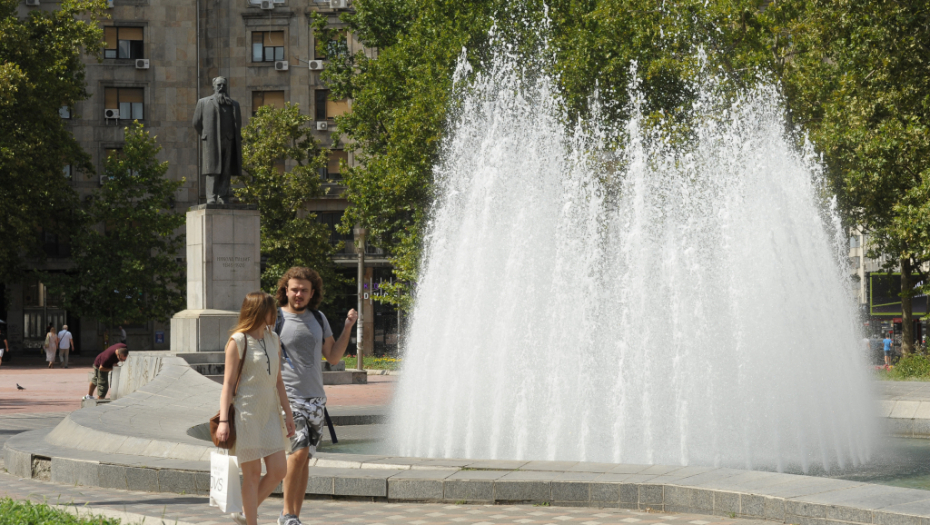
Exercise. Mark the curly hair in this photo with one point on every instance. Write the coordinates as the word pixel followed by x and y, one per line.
pixel 299 272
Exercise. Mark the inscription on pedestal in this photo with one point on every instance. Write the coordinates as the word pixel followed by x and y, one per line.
pixel 233 262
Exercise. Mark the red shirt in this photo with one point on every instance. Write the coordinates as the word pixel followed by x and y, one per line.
pixel 108 358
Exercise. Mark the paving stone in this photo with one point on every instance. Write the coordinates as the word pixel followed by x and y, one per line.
pixel 774 509
pixel 144 479
pixel 74 472
pixel 418 484
pixel 17 462
pixel 471 485
pixel 726 503
pixel 567 491
pixel 363 482
pixel 751 505
pixel 651 495
pixel 521 490
pixel 177 481
pixel 112 477
pixel 605 492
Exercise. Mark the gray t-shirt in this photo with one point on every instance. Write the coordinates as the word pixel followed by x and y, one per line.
pixel 303 337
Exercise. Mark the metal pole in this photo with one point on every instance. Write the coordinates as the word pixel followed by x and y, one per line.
pixel 360 324
pixel 360 327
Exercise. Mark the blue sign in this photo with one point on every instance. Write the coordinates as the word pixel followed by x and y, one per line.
pixel 159 337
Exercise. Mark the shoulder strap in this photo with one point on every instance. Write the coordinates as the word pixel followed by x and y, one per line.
pixel 319 319
pixel 278 326
pixel 241 364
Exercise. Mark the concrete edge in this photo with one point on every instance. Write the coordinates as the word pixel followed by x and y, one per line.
pixel 126 518
pixel 785 498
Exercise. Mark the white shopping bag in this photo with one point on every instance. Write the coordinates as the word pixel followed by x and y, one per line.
pixel 225 488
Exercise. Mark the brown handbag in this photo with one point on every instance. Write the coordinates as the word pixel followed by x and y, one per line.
pixel 215 420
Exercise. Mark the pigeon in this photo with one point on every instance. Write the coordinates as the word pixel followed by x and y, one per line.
pixel 19 387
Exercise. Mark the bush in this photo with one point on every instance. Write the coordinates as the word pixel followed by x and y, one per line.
pixel 375 363
pixel 915 366
pixel 26 513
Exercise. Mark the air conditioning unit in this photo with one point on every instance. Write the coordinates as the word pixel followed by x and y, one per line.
pixel 322 125
pixel 338 4
pixel 109 4
pixel 281 65
pixel 316 65
pixel 111 113
pixel 32 3
pixel 142 63
pixel 267 4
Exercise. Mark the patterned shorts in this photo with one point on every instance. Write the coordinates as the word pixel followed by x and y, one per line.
pixel 308 420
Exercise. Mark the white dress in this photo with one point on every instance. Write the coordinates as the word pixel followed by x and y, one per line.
pixel 259 422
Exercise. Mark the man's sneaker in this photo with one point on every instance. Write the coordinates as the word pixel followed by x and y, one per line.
pixel 288 519
pixel 88 397
pixel 239 518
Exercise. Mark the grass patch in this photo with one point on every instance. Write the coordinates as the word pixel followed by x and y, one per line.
pixel 375 363
pixel 26 513
pixel 911 368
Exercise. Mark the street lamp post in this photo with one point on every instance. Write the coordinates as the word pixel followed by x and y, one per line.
pixel 360 326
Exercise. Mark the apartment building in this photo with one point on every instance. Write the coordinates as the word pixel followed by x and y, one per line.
pixel 877 291
pixel 159 59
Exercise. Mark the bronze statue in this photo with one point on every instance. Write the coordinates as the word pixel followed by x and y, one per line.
pixel 218 122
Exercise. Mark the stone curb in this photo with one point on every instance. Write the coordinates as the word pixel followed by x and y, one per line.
pixel 785 498
pixel 125 518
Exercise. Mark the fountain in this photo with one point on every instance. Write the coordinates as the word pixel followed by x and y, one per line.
pixel 629 293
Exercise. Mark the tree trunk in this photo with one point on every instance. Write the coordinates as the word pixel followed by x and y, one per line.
pixel 907 314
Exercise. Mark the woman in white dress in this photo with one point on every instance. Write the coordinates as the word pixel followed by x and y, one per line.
pixel 51 345
pixel 261 432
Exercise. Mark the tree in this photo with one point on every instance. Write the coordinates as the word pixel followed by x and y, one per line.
pixel 402 98
pixel 41 71
pixel 125 263
pixel 859 78
pixel 290 235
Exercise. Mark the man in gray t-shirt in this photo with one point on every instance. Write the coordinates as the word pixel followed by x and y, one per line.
pixel 306 339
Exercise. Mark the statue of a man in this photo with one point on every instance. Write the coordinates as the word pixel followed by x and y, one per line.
pixel 218 122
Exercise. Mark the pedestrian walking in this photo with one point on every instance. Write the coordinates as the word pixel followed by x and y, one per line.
pixel 306 338
pixel 261 432
pixel 5 348
pixel 887 342
pixel 65 345
pixel 103 365
pixel 51 345
pixel 122 335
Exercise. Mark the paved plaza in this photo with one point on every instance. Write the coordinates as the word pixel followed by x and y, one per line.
pixel 165 508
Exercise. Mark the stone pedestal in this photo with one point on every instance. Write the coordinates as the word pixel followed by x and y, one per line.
pixel 223 265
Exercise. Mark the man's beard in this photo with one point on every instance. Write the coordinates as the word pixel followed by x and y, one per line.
pixel 298 309
pixel 223 98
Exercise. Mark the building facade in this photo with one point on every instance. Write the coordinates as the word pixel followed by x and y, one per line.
pixel 159 58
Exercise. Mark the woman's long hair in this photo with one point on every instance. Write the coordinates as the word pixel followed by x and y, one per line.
pixel 256 307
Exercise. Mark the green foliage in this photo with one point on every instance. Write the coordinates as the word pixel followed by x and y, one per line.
pixel 41 70
pixel 914 366
pixel 125 264
pixel 374 363
pixel 290 235
pixel 27 513
pixel 861 79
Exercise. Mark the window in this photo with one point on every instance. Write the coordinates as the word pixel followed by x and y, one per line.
pixel 127 100
pixel 854 241
pixel 329 109
pixel 118 152
pixel 123 42
pixel 332 170
pixel 64 112
pixel 274 99
pixel 337 47
pixel 267 46
pixel 67 171
pixel 854 262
